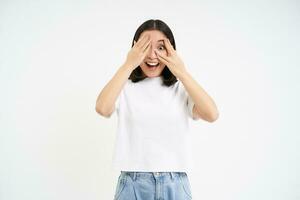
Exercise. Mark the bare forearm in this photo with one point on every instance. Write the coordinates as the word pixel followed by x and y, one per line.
pixel 106 99
pixel 205 106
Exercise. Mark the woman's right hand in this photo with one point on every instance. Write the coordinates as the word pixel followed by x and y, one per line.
pixel 138 52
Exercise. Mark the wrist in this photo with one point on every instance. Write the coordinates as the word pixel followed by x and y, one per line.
pixel 127 66
pixel 182 75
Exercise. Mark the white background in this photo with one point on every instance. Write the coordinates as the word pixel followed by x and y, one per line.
pixel 56 56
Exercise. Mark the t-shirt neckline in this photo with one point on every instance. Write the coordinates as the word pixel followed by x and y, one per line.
pixel 153 78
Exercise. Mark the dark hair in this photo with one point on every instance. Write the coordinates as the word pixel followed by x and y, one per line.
pixel 137 74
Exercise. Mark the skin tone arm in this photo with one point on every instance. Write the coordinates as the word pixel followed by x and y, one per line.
pixel 204 108
pixel 105 103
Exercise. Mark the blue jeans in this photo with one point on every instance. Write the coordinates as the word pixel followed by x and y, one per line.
pixel 153 186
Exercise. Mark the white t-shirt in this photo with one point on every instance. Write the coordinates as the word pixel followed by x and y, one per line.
pixel 153 131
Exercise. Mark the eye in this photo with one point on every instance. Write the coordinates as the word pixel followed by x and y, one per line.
pixel 161 47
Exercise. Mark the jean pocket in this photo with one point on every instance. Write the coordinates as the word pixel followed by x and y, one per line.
pixel 120 186
pixel 186 185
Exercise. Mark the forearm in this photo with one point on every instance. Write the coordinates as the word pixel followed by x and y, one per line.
pixel 205 106
pixel 106 99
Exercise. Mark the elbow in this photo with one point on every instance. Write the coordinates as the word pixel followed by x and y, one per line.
pixel 98 110
pixel 103 112
pixel 213 117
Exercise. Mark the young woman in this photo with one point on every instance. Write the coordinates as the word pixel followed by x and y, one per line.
pixel 154 96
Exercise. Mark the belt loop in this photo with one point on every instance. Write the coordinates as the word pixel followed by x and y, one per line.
pixel 182 174
pixel 134 176
pixel 172 177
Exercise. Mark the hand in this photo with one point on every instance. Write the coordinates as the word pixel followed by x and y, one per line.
pixel 172 60
pixel 138 52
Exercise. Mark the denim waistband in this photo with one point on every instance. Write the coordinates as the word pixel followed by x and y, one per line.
pixel 134 175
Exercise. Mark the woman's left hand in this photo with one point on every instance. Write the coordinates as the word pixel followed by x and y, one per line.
pixel 172 60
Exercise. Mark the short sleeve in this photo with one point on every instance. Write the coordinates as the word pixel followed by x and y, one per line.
pixel 118 101
pixel 190 106
pixel 188 101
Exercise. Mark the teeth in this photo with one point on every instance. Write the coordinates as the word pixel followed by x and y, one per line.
pixel 152 64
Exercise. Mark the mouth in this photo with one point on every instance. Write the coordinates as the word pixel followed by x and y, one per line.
pixel 152 64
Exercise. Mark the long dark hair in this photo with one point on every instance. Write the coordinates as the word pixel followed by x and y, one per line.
pixel 152 24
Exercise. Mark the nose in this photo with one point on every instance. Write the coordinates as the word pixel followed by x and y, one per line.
pixel 152 55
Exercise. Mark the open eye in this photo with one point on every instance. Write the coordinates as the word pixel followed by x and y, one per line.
pixel 161 47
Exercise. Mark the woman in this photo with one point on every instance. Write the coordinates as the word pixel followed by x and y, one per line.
pixel 152 148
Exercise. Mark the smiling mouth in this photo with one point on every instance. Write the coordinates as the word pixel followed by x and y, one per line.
pixel 152 64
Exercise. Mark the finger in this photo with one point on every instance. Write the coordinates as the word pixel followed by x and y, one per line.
pixel 137 43
pixel 162 58
pixel 146 45
pixel 141 41
pixel 169 46
pixel 145 51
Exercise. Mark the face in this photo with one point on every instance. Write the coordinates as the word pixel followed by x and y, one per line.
pixel 151 66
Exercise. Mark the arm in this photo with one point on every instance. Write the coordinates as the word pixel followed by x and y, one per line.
pixel 204 105
pixel 204 108
pixel 105 103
